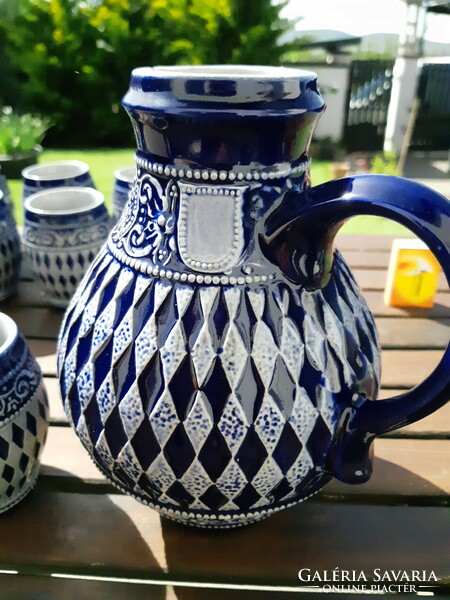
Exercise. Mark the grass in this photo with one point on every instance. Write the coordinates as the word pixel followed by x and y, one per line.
pixel 103 164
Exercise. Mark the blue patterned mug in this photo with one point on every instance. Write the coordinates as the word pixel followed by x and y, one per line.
pixel 218 361
pixel 61 173
pixel 23 415
pixel 63 230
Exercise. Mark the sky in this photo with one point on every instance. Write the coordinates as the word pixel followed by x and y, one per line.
pixel 361 17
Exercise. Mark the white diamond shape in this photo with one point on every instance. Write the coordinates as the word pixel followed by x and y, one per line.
pixel 104 451
pixel 129 463
pixel 83 434
pixel 234 356
pixel 304 415
pixel 103 329
pixel 106 399
pixel 161 291
pixel 161 474
pixel 264 352
pixel 131 410
pixel 232 481
pixel 232 298
pixel 267 477
pixel 199 422
pixel 196 480
pixel 85 384
pixel 326 407
pixel 207 298
pixel 300 468
pixel 202 354
pixel 146 345
pixel 123 335
pixel 69 369
pixel 173 351
pixel 270 423
pixel 257 300
pixel 164 418
pixel 183 296
pixel 142 284
pixel 292 348
pixel 232 424
pixel 314 344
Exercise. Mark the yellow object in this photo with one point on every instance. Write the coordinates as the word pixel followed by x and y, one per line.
pixel 413 273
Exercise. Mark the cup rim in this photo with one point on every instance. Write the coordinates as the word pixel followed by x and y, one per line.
pixel 122 174
pixel 223 72
pixel 96 197
pixel 9 327
pixel 31 174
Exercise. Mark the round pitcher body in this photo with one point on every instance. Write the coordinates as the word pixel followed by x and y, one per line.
pixel 200 379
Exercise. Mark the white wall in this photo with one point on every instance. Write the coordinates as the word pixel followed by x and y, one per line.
pixel 333 83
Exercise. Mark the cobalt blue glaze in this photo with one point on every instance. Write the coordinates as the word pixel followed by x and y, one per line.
pixel 218 361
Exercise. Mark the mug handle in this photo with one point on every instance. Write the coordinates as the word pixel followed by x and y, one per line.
pixel 314 217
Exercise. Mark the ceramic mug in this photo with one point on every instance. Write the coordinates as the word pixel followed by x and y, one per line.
pixel 123 182
pixel 23 415
pixel 64 229
pixel 64 173
pixel 232 363
pixel 10 251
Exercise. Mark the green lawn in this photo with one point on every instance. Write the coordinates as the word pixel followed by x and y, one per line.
pixel 103 163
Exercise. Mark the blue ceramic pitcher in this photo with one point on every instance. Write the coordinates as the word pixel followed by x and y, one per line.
pixel 218 361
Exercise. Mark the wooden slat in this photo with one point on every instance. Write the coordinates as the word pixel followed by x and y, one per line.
pixel 436 424
pixel 403 467
pixel 52 588
pixel 376 304
pixel 407 368
pixel 41 323
pixel 45 354
pixel 365 243
pixel 376 279
pixel 114 534
pixel 366 260
pixel 413 333
pixel 57 414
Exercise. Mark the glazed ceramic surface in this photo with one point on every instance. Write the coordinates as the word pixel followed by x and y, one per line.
pixel 23 415
pixel 64 229
pixel 123 183
pixel 218 361
pixel 63 173
pixel 10 251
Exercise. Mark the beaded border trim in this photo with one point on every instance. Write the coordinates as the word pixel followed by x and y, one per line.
pixel 237 173
pixel 148 268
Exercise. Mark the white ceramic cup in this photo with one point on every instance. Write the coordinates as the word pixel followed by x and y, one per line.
pixel 64 228
pixel 63 173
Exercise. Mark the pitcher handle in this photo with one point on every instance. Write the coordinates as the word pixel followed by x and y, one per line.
pixel 315 217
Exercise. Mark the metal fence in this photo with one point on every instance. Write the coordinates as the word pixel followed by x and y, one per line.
pixel 432 127
pixel 368 98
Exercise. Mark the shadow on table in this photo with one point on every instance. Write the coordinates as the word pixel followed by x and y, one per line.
pixel 356 533
pixel 75 533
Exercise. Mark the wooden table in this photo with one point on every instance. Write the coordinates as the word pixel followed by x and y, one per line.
pixel 75 536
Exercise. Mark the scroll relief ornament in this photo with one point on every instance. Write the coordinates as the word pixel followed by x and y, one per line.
pixel 146 229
